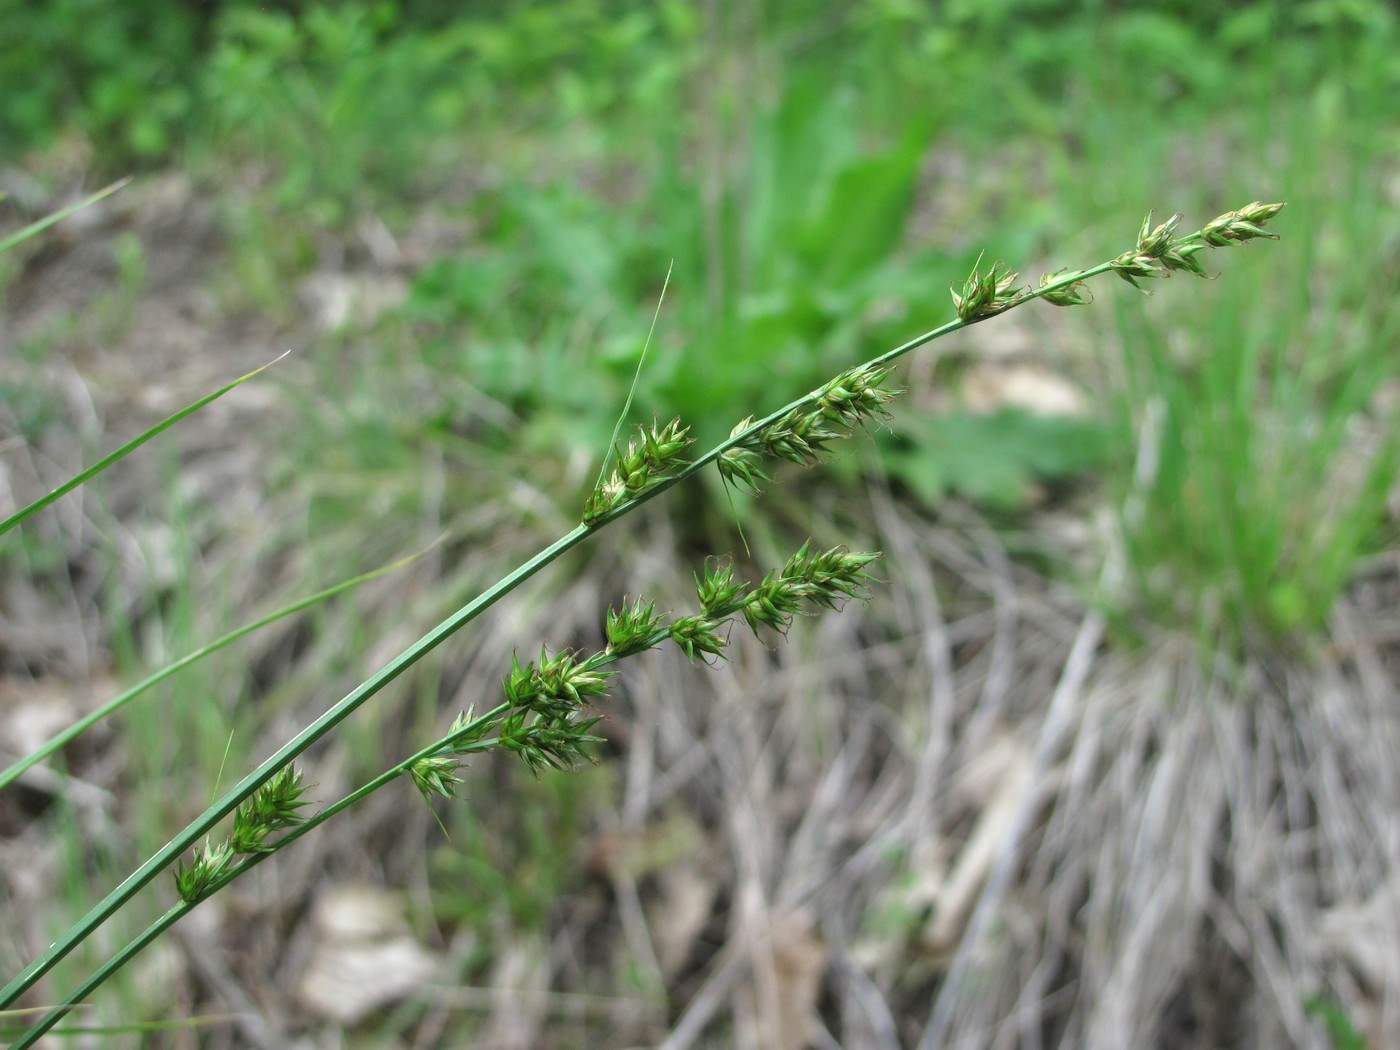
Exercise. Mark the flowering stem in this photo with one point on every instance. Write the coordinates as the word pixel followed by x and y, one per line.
pixel 656 466
pixel 205 822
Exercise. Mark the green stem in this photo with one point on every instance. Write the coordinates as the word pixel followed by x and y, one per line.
pixel 180 910
pixel 48 220
pixel 131 446
pixel 202 824
pixel 99 976
pixel 17 770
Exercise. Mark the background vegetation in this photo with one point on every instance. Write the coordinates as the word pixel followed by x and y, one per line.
pixel 461 221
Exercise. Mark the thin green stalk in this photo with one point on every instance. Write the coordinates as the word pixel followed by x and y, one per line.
pixel 131 446
pixel 17 770
pixel 636 374
pixel 984 296
pixel 820 580
pixel 179 910
pixel 48 220
pixel 204 823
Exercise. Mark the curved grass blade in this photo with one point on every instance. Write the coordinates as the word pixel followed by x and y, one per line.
pixel 13 773
pixel 49 220
pixel 636 379
pixel 131 446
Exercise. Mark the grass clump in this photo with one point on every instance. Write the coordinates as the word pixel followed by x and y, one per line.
pixel 1264 452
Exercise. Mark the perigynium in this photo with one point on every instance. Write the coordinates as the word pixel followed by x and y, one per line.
pixel 548 711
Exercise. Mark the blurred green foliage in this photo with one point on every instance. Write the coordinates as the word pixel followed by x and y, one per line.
pixel 123 74
pixel 1341 1028
pixel 139 77
pixel 794 261
pixel 993 457
pixel 815 174
pixel 505 884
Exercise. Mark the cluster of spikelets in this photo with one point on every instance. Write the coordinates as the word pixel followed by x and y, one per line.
pixel 1156 254
pixel 544 719
pixel 647 461
pixel 273 807
pixel 546 716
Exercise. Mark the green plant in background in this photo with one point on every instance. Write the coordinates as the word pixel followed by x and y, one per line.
pixel 784 260
pixel 115 310
pixel 546 716
pixel 325 93
pixel 357 105
pixel 1257 451
pixel 799 257
pixel 123 74
pixel 138 79
pixel 1338 1021
pixel 525 874
pixel 1255 500
pixel 994 458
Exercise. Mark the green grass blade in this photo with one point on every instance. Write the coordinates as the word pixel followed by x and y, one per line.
pixel 131 446
pixel 49 220
pixel 179 1024
pixel 636 377
pixel 12 773
pixel 204 823
pixel 99 976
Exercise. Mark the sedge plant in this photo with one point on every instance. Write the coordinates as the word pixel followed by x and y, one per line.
pixel 546 714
